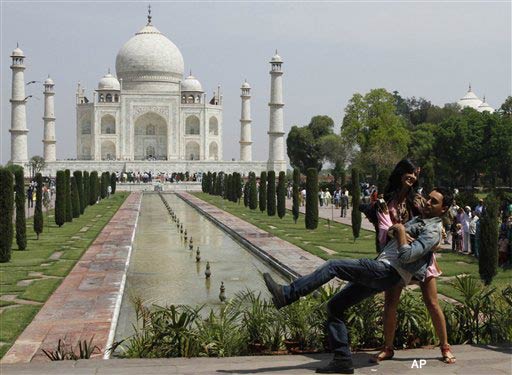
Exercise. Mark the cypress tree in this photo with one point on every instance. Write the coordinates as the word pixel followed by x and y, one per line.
pixel 246 194
pixel 80 189
pixel 203 183
pixel 281 195
pixel 86 188
pixel 60 198
pixel 253 193
pixel 356 194
pixel 98 187
pixel 75 198
pixel 263 191
pixel 113 181
pixel 38 211
pixel 7 211
pixel 69 204
pixel 311 198
pixel 295 195
pixel 93 193
pixel 213 183
pixel 489 231
pixel 227 187
pixel 271 193
pixel 239 185
pixel 21 222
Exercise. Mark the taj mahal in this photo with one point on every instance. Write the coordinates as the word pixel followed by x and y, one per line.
pixel 148 117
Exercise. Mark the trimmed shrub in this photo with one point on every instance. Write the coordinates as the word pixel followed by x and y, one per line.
pixel 7 210
pixel 38 211
pixel 113 181
pixel 80 189
pixel 263 191
pixel 93 189
pixel 213 184
pixel 239 186
pixel 295 194
pixel 69 204
pixel 271 193
pixel 86 188
pixel 19 189
pixel 312 198
pixel 281 195
pixel 75 199
pixel 253 201
pixel 60 198
pixel 489 231
pixel 246 194
pixel 356 197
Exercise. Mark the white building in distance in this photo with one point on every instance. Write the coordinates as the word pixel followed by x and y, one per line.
pixel 472 101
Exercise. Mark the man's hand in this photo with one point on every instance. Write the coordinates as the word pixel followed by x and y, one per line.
pixel 400 234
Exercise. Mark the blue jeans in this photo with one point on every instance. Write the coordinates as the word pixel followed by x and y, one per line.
pixel 367 277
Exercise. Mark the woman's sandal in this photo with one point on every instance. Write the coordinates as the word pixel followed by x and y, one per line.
pixel 447 354
pixel 385 353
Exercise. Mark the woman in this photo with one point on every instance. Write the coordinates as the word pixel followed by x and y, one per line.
pixel 402 204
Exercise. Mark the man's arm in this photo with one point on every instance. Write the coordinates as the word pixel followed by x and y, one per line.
pixel 426 241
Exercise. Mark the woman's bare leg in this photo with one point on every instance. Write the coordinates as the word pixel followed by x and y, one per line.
pixel 391 300
pixel 429 291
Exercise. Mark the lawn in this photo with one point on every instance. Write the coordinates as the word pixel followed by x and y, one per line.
pixel 33 275
pixel 338 238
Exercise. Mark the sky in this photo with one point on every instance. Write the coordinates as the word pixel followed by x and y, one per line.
pixel 331 50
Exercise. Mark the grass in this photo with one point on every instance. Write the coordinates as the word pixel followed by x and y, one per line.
pixel 339 239
pixel 24 265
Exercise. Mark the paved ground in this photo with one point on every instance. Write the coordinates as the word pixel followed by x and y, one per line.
pixel 470 360
pixel 85 303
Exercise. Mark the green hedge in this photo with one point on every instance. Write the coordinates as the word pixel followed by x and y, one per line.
pixel 7 211
pixel 312 198
pixel 60 199
pixel 38 211
pixel 271 193
pixel 281 195
pixel 295 196
pixel 262 190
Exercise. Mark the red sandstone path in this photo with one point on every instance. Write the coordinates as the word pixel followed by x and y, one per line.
pixel 89 298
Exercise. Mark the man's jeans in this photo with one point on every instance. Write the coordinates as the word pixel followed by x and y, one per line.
pixel 367 277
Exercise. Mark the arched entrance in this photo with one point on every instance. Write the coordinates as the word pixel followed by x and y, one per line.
pixel 192 151
pixel 150 140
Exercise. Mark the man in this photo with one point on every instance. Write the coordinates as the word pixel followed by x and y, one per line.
pixel 407 255
pixel 344 205
pixel 465 220
pixel 479 209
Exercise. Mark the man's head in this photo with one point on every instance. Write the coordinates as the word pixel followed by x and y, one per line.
pixel 438 202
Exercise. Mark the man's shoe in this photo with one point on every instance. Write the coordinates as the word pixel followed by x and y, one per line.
pixel 337 366
pixel 275 290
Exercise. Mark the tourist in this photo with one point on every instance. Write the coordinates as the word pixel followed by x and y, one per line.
pixel 402 203
pixel 479 209
pixel 344 204
pixel 398 262
pixel 457 238
pixel 465 219
pixel 30 196
pixel 472 232
pixel 327 198
pixel 303 195
pixel 321 197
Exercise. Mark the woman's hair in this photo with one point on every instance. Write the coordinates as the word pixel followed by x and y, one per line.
pixel 394 184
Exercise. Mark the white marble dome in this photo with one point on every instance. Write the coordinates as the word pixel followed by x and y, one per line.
pixel 469 100
pixel 149 56
pixel 109 82
pixel 246 85
pixel 276 58
pixel 17 52
pixel 191 84
pixel 485 107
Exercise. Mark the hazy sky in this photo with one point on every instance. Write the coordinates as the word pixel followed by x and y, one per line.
pixel 330 50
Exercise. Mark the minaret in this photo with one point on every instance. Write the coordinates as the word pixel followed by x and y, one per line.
pixel 245 124
pixel 275 133
pixel 49 120
pixel 18 130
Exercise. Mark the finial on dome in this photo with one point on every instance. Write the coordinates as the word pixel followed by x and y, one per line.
pixel 149 14
pixel 190 72
pixel 484 98
pixel 17 45
pixel 108 71
pixel 469 89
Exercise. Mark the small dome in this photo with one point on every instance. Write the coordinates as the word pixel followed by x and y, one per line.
pixel 17 53
pixel 246 85
pixel 469 100
pixel 485 107
pixel 276 58
pixel 109 82
pixel 48 81
pixel 191 84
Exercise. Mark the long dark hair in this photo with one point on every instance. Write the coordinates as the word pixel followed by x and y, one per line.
pixel 394 184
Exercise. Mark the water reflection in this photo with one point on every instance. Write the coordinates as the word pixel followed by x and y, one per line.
pixel 163 269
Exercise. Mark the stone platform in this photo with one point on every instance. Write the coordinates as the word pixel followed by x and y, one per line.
pixel 477 360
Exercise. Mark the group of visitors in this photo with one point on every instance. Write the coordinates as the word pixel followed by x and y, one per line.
pixel 149 176
pixel 462 225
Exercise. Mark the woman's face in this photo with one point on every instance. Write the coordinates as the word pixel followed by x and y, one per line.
pixel 408 180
